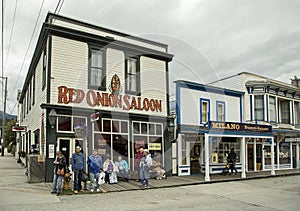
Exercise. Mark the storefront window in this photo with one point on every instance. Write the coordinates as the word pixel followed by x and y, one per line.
pixel 221 148
pixel 64 123
pixel 284 153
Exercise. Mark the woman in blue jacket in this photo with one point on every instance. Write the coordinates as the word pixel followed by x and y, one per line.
pixel 95 164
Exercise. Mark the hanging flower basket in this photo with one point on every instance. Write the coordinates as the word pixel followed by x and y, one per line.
pixel 80 131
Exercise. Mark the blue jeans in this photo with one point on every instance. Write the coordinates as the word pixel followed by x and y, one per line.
pixel 144 176
pixel 77 180
pixel 57 180
pixel 92 177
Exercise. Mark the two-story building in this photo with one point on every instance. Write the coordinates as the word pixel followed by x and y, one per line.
pixel 210 123
pixel 97 88
pixel 274 103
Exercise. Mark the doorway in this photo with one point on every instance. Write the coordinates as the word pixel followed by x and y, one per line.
pixel 250 153
pixel 195 157
pixel 67 147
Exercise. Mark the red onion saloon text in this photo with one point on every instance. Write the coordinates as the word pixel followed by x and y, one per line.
pixel 95 98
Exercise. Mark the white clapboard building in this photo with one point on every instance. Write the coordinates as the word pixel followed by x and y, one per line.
pixel 257 116
pixel 97 88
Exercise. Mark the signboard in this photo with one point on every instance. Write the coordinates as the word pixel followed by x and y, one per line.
pixel 19 128
pixel 292 139
pixel 154 146
pixel 95 117
pixel 239 127
pixel 51 151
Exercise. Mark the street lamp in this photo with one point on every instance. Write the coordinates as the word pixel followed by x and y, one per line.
pixel 52 117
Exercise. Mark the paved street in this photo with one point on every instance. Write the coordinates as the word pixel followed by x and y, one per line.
pixel 274 193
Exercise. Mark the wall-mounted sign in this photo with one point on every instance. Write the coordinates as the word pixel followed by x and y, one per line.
pixel 233 126
pixel 51 151
pixel 292 139
pixel 96 98
pixel 115 85
pixel 154 146
pixel 19 128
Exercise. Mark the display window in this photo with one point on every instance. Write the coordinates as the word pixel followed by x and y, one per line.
pixel 284 153
pixel 111 138
pixel 220 148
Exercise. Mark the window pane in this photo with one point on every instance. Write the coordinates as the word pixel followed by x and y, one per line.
pixel 144 128
pixel 285 112
pixel 204 112
pixel 64 123
pixel 124 127
pixel 272 109
pixel 259 107
pixel 136 128
pixel 158 129
pixel 297 113
pixel 106 126
pixel 115 126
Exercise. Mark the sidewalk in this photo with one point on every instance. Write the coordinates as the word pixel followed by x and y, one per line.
pixel 13 177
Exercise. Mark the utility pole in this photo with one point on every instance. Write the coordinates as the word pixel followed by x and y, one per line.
pixel 3 92
pixel 3 116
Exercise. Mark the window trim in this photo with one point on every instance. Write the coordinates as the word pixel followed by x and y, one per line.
pixel 138 79
pixel 102 86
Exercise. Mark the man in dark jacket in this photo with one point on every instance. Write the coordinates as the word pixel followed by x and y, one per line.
pixel 232 160
pixel 78 166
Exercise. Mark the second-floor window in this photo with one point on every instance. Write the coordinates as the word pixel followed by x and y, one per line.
pixel 97 68
pixel 284 111
pixel 259 107
pixel 204 111
pixel 272 106
pixel 132 70
pixel 220 111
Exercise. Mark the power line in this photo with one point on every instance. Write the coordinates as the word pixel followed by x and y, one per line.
pixel 11 32
pixel 57 10
pixel 29 45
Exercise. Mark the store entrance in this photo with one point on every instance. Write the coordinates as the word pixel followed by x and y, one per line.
pixel 250 153
pixel 195 157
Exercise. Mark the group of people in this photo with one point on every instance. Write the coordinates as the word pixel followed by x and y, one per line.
pixel 96 169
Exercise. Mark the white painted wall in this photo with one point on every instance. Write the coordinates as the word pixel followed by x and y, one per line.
pixel 99 32
pixel 69 67
pixel 190 106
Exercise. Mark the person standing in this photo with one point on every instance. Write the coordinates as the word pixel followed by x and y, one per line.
pixel 232 160
pixel 137 158
pixel 60 164
pixel 78 166
pixel 95 164
pixel 145 166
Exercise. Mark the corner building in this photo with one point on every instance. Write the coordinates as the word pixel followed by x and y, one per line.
pixel 103 90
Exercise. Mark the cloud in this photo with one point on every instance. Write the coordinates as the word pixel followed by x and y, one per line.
pixel 209 39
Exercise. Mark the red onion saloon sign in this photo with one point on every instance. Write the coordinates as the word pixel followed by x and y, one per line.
pixel 94 98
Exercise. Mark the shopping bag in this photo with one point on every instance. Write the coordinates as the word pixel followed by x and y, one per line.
pixel 101 178
pixel 113 178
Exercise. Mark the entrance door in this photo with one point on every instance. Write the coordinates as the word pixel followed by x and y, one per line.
pixel 64 147
pixel 294 157
pixel 250 153
pixel 195 157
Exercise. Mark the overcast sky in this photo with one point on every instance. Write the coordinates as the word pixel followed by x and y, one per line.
pixel 210 39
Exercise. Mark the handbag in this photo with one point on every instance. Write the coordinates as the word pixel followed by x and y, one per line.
pixel 83 176
pixel 60 172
